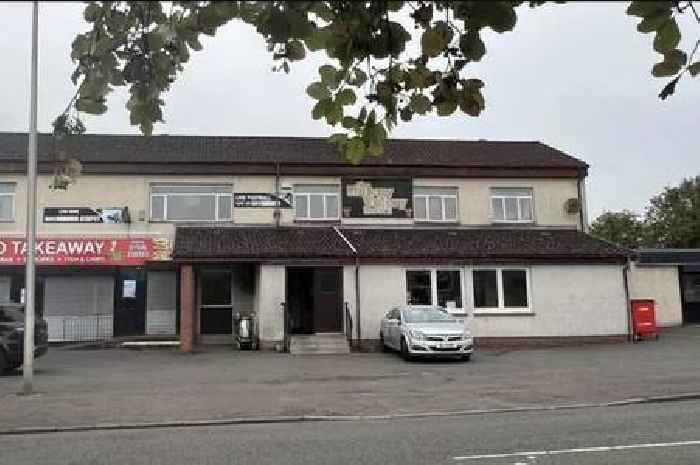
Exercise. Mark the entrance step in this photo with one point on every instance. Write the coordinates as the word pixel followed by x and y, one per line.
pixel 319 344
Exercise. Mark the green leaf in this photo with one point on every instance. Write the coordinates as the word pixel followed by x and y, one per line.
pixel 346 97
pixel 665 68
pixel 321 108
pixel 676 56
pixel 471 45
pixel 318 91
pixel 654 22
pixel 339 139
pixel 91 106
pixel 446 108
pixel 499 16
pixel 318 39
pixel 667 37
pixel 329 76
pixel 694 69
pixel 435 39
pixel 92 12
pixel 295 50
pixel 334 115
pixel 358 78
pixel 355 149
pixel 644 8
pixel 420 104
pixel 351 123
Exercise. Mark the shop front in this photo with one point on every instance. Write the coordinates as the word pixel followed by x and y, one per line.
pixel 95 288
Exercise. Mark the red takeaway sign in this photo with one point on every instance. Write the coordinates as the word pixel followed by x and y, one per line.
pixel 86 251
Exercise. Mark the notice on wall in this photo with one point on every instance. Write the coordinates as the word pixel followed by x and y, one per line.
pixel 244 199
pixel 111 215
pixel 87 251
pixel 129 289
pixel 377 197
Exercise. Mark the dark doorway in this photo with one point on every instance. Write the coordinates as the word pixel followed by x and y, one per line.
pixel 130 302
pixel 314 300
pixel 690 292
pixel 216 309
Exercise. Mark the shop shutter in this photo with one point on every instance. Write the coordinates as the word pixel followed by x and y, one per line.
pixel 161 304
pixel 79 308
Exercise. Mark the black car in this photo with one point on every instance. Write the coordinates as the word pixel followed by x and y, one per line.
pixel 12 336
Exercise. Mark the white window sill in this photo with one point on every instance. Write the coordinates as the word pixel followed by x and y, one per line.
pixel 504 312
pixel 513 221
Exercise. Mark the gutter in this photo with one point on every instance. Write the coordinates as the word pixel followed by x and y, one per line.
pixel 277 213
pixel 581 188
pixel 357 282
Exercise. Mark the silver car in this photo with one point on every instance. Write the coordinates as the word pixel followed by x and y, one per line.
pixel 416 331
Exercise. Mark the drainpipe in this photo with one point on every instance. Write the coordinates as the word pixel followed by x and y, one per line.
pixel 277 213
pixel 357 300
pixel 625 281
pixel 581 188
pixel 357 282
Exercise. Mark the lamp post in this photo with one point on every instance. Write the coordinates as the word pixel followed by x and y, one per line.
pixel 30 276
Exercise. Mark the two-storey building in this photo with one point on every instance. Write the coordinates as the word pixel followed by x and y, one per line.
pixel 176 235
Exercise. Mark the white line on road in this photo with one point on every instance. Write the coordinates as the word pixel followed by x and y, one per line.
pixel 579 450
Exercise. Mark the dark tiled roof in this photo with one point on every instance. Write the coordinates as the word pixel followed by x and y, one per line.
pixel 91 148
pixel 392 245
pixel 480 244
pixel 668 256
pixel 242 243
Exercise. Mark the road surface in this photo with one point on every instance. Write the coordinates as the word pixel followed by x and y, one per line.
pixel 663 433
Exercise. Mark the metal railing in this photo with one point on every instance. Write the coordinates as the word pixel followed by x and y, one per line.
pixel 348 323
pixel 85 328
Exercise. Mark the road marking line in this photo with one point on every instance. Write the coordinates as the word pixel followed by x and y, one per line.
pixel 580 450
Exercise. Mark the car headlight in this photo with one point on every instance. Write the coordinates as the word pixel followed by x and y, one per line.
pixel 417 335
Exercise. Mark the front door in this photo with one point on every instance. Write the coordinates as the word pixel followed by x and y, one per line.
pixel 216 309
pixel 328 300
pixel 691 297
pixel 314 300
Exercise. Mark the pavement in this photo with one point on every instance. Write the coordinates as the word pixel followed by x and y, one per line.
pixel 121 386
pixel 630 435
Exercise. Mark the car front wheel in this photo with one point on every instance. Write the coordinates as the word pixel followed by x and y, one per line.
pixel 405 354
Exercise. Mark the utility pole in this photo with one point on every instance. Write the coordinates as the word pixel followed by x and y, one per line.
pixel 30 276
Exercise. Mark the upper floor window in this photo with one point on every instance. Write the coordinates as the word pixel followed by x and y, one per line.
pixel 512 205
pixel 435 204
pixel 7 201
pixel 191 202
pixel 317 202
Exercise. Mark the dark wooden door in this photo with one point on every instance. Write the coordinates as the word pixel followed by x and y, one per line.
pixel 690 283
pixel 328 303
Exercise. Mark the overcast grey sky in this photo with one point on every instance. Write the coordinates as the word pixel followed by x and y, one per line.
pixel 575 76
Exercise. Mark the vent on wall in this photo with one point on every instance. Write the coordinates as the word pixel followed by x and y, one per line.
pixel 572 206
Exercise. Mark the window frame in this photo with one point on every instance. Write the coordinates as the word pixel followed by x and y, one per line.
pixel 324 196
pixel 442 198
pixel 433 285
pixel 13 199
pixel 502 197
pixel 164 195
pixel 501 308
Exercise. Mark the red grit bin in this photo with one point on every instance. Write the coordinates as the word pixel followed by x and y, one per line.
pixel 644 318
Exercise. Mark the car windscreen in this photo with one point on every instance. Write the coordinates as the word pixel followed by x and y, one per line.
pixel 10 314
pixel 426 315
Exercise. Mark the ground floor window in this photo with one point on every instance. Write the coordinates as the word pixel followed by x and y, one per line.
pixel 438 287
pixel 501 289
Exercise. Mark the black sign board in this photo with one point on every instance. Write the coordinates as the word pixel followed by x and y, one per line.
pixel 113 215
pixel 377 197
pixel 243 200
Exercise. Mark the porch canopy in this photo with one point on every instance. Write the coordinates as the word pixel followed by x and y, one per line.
pixel 390 245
